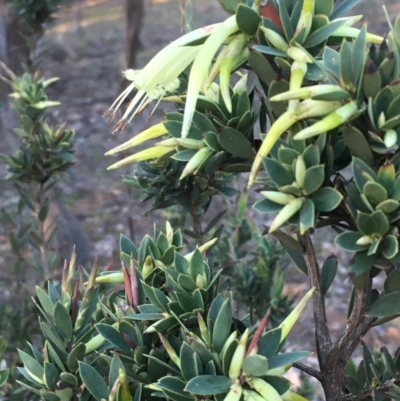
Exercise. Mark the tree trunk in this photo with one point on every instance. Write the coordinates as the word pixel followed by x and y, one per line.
pixel 134 17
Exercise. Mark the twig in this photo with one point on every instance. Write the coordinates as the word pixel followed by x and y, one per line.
pixel 355 318
pixel 307 369
pixel 323 338
pixel 367 393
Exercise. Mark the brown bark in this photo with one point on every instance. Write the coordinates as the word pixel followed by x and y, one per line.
pixel 134 18
pixel 333 357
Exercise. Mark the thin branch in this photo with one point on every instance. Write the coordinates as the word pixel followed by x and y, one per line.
pixel 307 369
pixel 323 338
pixel 351 335
pixel 367 393
pixel 362 329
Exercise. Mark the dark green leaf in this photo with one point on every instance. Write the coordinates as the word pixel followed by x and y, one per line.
pixel 235 143
pixel 326 199
pixel 255 365
pixel 126 246
pixel 358 144
pixel 174 389
pixel 386 305
pixel 222 326
pixel 51 375
pixel 113 336
pixel 328 273
pixel 280 384
pixel 392 282
pixel 314 179
pixel 269 343
pixel 278 173
pixel 93 381
pixel 188 368
pixel 209 385
pixel 34 368
pixel 287 358
pixel 62 320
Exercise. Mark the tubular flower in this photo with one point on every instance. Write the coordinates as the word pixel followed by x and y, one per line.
pixel 201 65
pixel 160 75
pixel 306 109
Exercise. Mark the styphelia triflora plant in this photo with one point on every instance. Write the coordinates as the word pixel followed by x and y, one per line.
pixel 163 330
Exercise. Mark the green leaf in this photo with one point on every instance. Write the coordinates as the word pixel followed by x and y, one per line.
pixel 126 246
pixel 287 358
pixel 361 173
pixel 50 395
pixel 93 381
pixel 375 192
pixel 360 264
pixel 343 7
pixel 311 156
pixel 34 368
pixel 390 246
pixel 358 56
pixel 358 144
pixel 4 376
pixel 307 216
pixel 235 143
pixel 196 265
pixel 62 320
pixel 387 305
pixel 323 33
pixel 347 240
pixel 278 173
pixel 255 365
pixel 211 139
pixel 328 273
pixel 115 365
pixel 226 357
pixel 269 342
pixel 184 155
pixel 326 199
pixel 65 394
pixel 269 50
pixel 267 206
pixel 145 316
pixel 261 67
pixel 280 384
pixel 222 326
pixel 45 301
pixel 293 249
pixel 174 389
pixel 113 336
pixel 51 375
pixel 388 206
pixel 156 370
pixel 188 368
pixel 209 385
pixel 247 19
pixel 371 224
pixel 70 379
pixel 392 282
pixel 314 179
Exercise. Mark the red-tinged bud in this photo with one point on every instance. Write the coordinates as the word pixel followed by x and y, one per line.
pixel 269 11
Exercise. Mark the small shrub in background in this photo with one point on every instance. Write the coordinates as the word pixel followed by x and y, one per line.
pixel 44 153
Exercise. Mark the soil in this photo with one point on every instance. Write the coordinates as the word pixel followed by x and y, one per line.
pixel 84 48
